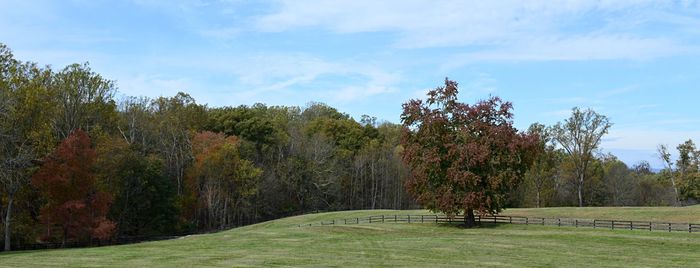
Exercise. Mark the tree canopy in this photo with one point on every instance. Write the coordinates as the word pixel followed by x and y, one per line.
pixel 463 157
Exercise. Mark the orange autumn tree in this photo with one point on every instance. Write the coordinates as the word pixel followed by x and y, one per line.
pixel 76 209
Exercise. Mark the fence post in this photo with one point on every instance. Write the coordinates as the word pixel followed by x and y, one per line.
pixel 558 221
pixel 594 223
pixel 542 221
pixel 669 227
pixel 436 218
pixel 631 226
pixel 333 221
pixel 690 227
pixel 395 218
pixel 409 218
pixel 527 220
pixel 421 218
pixel 357 220
pixel 345 221
pixel 510 219
pixel 612 225
pixel 576 223
pixel 494 219
pixel 649 226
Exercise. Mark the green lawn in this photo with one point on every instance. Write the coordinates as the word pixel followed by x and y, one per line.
pixel 661 214
pixel 281 243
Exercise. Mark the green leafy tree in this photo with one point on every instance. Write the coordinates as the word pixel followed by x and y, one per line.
pixel 26 103
pixel 665 157
pixel 144 199
pixel 85 101
pixel 580 136
pixel 463 157
pixel 689 171
pixel 541 175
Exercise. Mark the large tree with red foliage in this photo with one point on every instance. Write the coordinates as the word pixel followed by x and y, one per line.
pixel 463 157
pixel 76 209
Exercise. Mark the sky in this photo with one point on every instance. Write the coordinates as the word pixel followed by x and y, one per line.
pixel 637 62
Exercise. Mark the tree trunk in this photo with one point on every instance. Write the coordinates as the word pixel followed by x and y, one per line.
pixel 7 223
pixel 675 190
pixel 580 190
pixel 469 219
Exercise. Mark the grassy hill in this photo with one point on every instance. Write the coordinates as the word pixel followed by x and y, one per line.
pixel 282 243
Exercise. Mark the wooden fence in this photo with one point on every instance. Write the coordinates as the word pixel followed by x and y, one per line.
pixel 499 219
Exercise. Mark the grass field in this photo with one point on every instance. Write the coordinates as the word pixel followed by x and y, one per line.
pixel 281 243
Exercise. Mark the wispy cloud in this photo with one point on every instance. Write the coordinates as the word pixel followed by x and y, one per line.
pixel 619 91
pixel 646 139
pixel 497 30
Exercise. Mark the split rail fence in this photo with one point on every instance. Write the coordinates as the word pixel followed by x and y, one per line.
pixel 500 219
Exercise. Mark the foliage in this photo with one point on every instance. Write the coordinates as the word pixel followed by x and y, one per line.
pixel 144 199
pixel 220 180
pixel 311 158
pixel 85 100
pixel 580 136
pixel 463 157
pixel 25 130
pixel 75 208
pixel 541 176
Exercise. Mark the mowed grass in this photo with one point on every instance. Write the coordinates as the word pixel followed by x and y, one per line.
pixel 690 214
pixel 283 243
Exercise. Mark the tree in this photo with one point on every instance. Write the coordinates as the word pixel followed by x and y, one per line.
pixel 541 173
pixel 219 178
pixel 75 205
pixel 463 157
pixel 176 120
pixel 665 157
pixel 25 129
pixel 688 165
pixel 84 99
pixel 620 183
pixel 144 199
pixel 580 135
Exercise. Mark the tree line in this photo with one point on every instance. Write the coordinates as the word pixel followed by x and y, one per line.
pixel 572 172
pixel 78 164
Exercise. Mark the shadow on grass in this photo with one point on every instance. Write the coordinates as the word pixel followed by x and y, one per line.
pixel 482 225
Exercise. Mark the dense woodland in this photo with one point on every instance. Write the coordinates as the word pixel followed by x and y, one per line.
pixel 78 163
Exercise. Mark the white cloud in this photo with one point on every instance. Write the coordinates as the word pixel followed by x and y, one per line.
pixel 646 139
pixel 152 85
pixel 565 30
pixel 283 78
pixel 575 48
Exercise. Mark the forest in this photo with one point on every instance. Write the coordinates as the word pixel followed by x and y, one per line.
pixel 78 163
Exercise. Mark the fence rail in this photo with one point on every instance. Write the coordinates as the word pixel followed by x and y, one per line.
pixel 501 219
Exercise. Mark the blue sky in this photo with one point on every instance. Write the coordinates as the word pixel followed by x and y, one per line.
pixel 638 62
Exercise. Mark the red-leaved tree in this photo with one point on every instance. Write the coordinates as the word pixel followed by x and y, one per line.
pixel 463 157
pixel 76 209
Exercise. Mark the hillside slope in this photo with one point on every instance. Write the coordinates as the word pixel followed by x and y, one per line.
pixel 283 243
